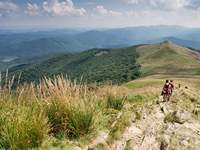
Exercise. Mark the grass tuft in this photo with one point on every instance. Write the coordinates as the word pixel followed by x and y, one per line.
pixel 22 127
pixel 115 102
pixel 80 122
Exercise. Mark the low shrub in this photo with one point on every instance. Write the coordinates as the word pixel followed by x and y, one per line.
pixel 115 102
pixel 80 121
pixel 57 116
pixel 69 120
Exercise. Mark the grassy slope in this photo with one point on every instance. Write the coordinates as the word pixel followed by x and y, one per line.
pixel 168 58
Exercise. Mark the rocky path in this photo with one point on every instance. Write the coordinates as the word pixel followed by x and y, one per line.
pixel 142 134
pixel 151 132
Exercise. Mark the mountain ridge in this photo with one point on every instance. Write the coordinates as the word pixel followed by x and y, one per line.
pixel 117 65
pixel 168 58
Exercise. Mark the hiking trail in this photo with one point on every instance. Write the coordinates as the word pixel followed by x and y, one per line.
pixel 166 126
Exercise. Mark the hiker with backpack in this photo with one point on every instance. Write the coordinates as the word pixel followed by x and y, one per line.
pixel 166 92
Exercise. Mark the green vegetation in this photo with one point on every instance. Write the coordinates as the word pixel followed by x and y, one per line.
pixel 115 102
pixel 168 58
pixel 21 126
pixel 60 114
pixel 116 65
pixel 96 65
pixel 56 111
pixel 56 107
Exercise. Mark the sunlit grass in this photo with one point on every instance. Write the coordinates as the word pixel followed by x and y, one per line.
pixel 61 113
pixel 59 108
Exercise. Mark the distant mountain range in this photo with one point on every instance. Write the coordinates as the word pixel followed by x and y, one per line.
pixel 117 65
pixel 56 41
pixel 30 44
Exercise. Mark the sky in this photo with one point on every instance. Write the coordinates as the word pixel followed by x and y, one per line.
pixel 99 13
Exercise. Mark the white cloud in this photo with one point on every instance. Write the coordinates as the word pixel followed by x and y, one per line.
pixel 103 11
pixel 32 9
pixel 62 8
pixel 160 4
pixel 8 7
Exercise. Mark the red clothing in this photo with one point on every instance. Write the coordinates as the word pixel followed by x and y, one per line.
pixel 166 89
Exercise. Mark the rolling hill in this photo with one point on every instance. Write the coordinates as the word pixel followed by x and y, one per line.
pixel 117 65
pixel 168 58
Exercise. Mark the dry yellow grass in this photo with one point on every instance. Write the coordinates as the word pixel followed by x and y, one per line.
pixel 69 110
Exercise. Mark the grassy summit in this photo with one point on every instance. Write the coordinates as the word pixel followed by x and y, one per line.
pixel 168 58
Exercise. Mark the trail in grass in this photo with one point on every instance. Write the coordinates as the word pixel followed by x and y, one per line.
pixel 154 132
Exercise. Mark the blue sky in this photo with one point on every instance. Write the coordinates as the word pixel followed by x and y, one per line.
pixel 99 13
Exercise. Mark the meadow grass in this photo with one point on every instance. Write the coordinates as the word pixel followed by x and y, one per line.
pixel 40 116
pixel 32 113
pixel 22 125
pixel 115 102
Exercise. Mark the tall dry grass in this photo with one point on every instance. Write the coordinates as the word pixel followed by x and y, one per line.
pixel 30 113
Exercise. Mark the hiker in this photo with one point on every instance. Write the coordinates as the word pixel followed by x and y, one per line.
pixel 166 91
pixel 171 87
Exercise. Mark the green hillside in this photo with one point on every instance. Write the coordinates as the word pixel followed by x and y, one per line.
pixel 96 65
pixel 117 65
pixel 168 58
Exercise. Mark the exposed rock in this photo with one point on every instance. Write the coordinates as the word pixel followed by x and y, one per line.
pixel 183 115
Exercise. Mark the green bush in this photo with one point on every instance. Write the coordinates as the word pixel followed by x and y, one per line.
pixel 22 127
pixel 57 116
pixel 69 120
pixel 115 102
pixel 80 121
